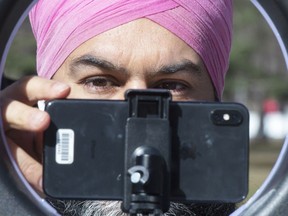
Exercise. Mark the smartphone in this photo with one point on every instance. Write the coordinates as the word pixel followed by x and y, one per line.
pixel 84 150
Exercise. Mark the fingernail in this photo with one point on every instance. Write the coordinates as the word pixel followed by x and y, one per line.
pixel 58 86
pixel 38 118
pixel 40 184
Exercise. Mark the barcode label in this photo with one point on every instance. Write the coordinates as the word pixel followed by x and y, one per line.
pixel 64 146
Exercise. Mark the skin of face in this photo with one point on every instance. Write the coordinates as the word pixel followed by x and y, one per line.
pixel 137 55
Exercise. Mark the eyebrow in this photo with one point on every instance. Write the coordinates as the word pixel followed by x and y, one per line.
pixel 185 65
pixel 89 60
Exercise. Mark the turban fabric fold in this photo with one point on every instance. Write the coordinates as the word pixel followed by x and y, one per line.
pixel 60 26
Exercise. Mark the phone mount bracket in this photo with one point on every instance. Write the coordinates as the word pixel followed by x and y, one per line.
pixel 147 155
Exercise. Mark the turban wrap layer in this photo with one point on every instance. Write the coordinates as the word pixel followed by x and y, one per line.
pixel 60 26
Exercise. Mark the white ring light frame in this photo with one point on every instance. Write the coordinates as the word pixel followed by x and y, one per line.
pixel 270 199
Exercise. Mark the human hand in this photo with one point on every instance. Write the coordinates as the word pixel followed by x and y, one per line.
pixel 23 124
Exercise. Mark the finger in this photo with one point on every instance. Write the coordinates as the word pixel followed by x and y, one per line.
pixel 32 88
pixel 31 169
pixel 19 116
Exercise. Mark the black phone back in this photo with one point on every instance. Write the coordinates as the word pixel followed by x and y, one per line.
pixel 84 150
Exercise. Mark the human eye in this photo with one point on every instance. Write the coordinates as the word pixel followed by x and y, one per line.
pixel 99 84
pixel 175 87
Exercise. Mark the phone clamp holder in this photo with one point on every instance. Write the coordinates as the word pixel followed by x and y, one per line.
pixel 147 155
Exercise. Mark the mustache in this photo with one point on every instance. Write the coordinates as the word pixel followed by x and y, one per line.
pixel 113 208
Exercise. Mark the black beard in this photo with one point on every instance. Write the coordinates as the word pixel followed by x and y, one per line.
pixel 112 208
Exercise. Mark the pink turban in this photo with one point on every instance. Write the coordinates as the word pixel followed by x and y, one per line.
pixel 60 26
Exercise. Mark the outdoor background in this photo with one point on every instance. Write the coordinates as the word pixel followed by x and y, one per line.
pixel 257 78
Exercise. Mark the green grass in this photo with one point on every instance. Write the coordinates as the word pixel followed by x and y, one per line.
pixel 263 154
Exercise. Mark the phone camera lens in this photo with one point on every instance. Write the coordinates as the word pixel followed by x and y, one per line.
pixel 226 117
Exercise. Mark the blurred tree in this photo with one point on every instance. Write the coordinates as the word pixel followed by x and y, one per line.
pixel 257 68
pixel 22 54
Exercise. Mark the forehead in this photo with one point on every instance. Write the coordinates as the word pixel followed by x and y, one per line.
pixel 138 39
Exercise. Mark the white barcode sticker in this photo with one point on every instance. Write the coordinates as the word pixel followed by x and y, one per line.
pixel 64 152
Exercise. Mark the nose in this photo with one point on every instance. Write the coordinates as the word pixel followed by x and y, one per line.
pixel 131 84
pixel 136 84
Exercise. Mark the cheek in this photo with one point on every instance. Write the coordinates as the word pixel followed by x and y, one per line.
pixel 77 92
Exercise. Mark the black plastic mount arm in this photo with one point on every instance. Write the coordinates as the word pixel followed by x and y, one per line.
pixel 147 155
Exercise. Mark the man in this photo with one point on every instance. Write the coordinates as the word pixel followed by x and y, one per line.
pixel 99 49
